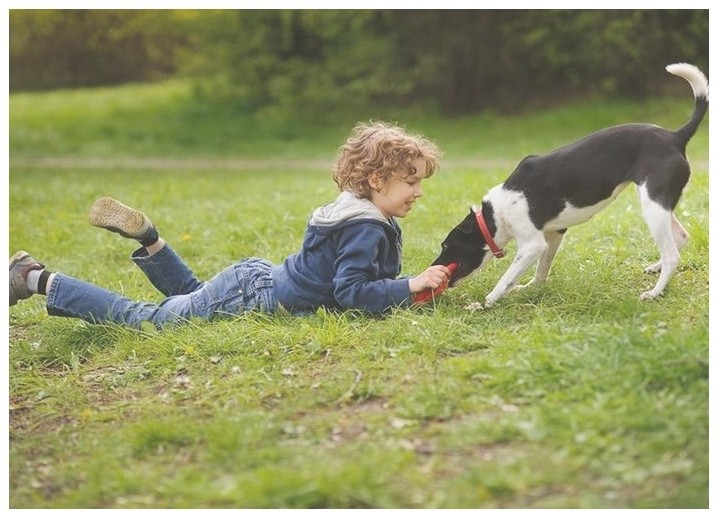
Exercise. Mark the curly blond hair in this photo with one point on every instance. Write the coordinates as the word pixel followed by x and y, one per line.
pixel 378 147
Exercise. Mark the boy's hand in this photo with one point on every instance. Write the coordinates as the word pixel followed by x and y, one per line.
pixel 432 282
pixel 431 278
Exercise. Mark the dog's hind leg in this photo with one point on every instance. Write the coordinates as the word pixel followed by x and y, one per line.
pixel 680 236
pixel 663 226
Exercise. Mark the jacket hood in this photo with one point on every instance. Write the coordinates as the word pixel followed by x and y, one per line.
pixel 345 208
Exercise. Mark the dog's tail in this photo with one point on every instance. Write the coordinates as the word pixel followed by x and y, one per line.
pixel 699 83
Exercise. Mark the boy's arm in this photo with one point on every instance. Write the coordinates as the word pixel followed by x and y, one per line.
pixel 358 283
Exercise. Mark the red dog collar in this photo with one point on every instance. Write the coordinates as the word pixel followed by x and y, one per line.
pixel 498 252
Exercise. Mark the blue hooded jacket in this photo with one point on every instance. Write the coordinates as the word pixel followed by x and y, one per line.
pixel 350 258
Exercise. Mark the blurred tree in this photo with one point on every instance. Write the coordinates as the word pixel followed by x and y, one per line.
pixel 471 60
pixel 460 60
pixel 308 57
pixel 464 60
pixel 67 48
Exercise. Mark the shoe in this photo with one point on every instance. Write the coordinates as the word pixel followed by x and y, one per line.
pixel 114 216
pixel 21 263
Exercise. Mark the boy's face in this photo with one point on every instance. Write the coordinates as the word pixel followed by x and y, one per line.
pixel 395 196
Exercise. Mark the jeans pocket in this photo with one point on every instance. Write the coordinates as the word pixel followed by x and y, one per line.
pixel 263 294
pixel 222 295
pixel 243 287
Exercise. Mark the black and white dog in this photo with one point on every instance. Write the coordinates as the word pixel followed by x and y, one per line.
pixel 546 194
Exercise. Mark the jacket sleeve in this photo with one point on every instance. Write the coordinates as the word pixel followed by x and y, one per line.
pixel 361 280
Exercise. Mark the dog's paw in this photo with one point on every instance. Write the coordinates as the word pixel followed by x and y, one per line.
pixel 649 295
pixel 491 302
pixel 654 268
pixel 474 306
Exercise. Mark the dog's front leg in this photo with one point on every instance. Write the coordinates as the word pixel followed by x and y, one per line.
pixel 528 252
pixel 554 239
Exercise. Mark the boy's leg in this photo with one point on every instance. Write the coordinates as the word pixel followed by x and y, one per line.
pixel 163 266
pixel 242 287
pixel 166 271
pixel 70 297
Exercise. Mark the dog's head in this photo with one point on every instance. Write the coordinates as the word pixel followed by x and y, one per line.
pixel 466 246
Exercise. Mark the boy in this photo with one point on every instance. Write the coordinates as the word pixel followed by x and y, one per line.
pixel 350 257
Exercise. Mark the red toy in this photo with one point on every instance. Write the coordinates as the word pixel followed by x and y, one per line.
pixel 428 294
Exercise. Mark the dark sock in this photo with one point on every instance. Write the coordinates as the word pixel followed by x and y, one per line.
pixel 42 282
pixel 152 237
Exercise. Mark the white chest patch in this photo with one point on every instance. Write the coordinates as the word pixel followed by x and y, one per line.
pixel 571 215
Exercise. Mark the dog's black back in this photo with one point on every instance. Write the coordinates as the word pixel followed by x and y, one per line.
pixel 584 173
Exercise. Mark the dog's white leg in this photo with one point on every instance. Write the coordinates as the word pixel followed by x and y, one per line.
pixel 528 252
pixel 680 237
pixel 661 224
pixel 544 264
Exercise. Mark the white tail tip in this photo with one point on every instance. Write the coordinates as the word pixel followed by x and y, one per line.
pixel 693 75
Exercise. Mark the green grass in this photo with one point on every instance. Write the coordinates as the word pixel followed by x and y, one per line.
pixel 171 120
pixel 574 394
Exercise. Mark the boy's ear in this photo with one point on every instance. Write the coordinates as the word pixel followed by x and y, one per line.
pixel 375 181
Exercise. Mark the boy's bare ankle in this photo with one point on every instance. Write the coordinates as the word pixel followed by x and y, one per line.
pixel 155 247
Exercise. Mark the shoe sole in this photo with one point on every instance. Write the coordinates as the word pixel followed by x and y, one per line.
pixel 112 215
pixel 17 257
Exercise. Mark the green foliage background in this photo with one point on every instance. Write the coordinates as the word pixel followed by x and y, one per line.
pixel 460 61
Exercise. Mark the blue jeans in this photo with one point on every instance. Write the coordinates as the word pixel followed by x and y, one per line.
pixel 243 287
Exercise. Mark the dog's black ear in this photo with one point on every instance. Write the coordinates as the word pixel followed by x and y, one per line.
pixel 467 226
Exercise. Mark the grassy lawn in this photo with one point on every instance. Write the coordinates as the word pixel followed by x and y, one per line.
pixel 574 394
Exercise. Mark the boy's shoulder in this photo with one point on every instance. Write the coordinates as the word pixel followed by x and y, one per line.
pixel 360 226
pixel 347 209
